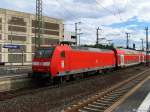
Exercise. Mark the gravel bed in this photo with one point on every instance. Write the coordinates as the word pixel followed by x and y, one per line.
pixel 53 100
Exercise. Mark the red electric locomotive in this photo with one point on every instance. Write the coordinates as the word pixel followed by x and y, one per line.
pixel 64 60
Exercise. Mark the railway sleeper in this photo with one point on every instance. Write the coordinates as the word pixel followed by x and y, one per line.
pixel 121 90
pixel 93 109
pixel 108 99
pixel 124 87
pixel 116 96
pixel 97 106
pixel 104 101
pixel 113 100
pixel 118 92
pixel 99 103
pixel 87 110
pixel 111 95
pixel 81 110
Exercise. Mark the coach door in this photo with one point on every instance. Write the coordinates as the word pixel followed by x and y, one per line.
pixel 143 60
pixel 140 59
pixel 122 60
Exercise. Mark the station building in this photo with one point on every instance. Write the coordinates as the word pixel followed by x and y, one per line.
pixel 18 28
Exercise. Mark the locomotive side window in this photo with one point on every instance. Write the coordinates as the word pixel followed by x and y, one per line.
pixel 44 53
pixel 62 54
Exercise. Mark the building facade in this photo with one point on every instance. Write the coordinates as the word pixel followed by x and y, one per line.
pixel 18 28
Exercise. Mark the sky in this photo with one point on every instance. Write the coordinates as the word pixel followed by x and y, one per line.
pixel 114 17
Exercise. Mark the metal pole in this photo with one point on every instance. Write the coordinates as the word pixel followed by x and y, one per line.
pixel 97 34
pixel 127 44
pixel 146 29
pixel 76 35
pixel 76 32
pixel 142 45
pixel 79 40
pixel 39 23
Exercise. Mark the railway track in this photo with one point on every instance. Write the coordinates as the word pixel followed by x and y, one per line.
pixel 105 101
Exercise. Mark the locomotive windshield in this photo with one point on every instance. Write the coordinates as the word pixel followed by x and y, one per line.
pixel 44 53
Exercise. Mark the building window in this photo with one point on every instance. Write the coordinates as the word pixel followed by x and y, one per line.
pixel 48 41
pixel 17 21
pixel 17 29
pixel 33 48
pixel 73 37
pixel 0 36
pixel 0 48
pixel 0 20
pixel 52 26
pixel 16 58
pixel 0 27
pixel 32 56
pixel 51 32
pixel 0 57
pixel 33 30
pixel 47 25
pixel 48 32
pixel 16 38
pixel 62 54
pixel 33 40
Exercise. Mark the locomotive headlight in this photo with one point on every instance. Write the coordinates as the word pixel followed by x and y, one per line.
pixel 35 63
pixel 46 63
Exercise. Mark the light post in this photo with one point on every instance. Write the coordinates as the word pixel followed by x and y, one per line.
pixel 147 46
pixel 142 44
pixel 127 43
pixel 80 38
pixel 109 42
pixel 76 31
pixel 97 34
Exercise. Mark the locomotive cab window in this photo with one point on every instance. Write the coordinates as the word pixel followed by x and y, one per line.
pixel 44 53
pixel 62 54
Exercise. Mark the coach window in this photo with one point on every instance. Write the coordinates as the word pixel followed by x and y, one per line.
pixel 62 54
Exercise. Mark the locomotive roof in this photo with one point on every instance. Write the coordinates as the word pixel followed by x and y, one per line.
pixel 128 51
pixel 90 49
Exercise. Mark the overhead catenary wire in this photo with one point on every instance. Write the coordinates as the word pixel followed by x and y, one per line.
pixel 108 10
pixel 116 14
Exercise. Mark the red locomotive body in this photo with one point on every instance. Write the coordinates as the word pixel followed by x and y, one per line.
pixel 66 60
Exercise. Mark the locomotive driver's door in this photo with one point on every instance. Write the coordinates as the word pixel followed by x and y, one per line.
pixel 122 60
